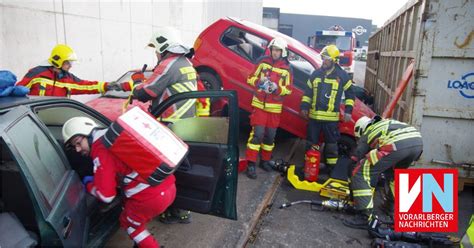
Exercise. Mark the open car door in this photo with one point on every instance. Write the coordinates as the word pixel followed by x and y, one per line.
pixel 37 169
pixel 207 181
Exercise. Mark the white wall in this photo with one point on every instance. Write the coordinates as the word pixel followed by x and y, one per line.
pixel 108 36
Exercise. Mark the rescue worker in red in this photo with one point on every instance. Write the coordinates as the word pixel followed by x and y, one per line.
pixel 56 80
pixel 141 202
pixel 272 81
pixel 173 74
pixel 383 145
pixel 321 100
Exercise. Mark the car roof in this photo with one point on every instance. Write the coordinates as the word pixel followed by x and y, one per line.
pixel 6 103
pixel 292 43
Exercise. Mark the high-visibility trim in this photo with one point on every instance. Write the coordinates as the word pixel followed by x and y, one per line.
pixel 251 80
pixel 202 111
pixel 468 238
pixel 191 86
pixel 306 99
pixel 376 130
pixel 366 171
pixel 285 91
pixel 179 88
pixel 373 155
pixel 255 147
pixel 362 192
pixel 399 138
pixel 187 69
pixel 45 82
pixel 267 148
pixel 135 190
pixel 268 107
pixel 331 161
pixel 314 86
pixel 349 102
pixel 102 89
pixel 141 236
pixel 136 223
pixel 323 115
pixel 347 85
pixel 42 89
pixel 182 110
pixel 332 97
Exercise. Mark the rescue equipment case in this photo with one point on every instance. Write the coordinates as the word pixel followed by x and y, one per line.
pixel 145 145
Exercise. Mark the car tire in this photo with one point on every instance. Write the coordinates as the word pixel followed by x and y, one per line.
pixel 210 81
pixel 346 145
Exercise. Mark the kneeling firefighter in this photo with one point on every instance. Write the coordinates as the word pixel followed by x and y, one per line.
pixel 141 202
pixel 383 145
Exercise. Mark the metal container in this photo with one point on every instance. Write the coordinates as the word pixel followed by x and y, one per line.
pixel 439 100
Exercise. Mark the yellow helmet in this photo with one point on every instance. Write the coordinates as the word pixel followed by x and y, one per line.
pixel 61 53
pixel 330 52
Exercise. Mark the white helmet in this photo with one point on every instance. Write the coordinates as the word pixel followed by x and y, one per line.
pixel 78 126
pixel 167 39
pixel 360 125
pixel 280 44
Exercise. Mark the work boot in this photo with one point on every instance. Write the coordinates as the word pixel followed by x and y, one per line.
pixel 251 170
pixel 175 215
pixel 266 165
pixel 359 221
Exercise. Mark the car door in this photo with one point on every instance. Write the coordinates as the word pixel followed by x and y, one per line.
pixel 208 182
pixel 57 190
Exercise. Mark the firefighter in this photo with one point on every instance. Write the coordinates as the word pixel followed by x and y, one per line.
pixel 321 100
pixel 141 202
pixel 272 81
pixel 383 145
pixel 173 74
pixel 56 80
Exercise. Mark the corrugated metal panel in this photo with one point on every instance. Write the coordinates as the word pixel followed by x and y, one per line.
pixel 439 36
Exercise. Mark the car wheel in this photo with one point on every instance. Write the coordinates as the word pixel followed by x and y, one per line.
pixel 210 81
pixel 346 145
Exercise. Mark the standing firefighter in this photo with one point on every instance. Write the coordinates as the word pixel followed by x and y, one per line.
pixel 56 80
pixel 321 102
pixel 141 203
pixel 272 81
pixel 382 146
pixel 173 74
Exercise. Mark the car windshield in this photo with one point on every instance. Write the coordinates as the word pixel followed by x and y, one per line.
pixel 342 42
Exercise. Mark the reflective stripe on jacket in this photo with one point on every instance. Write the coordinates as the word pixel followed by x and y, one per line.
pixel 44 81
pixel 387 135
pixel 278 72
pixel 323 94
pixel 174 74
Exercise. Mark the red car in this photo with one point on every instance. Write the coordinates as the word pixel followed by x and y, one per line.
pixel 226 53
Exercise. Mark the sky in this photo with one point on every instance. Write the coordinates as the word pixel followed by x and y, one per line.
pixel 378 11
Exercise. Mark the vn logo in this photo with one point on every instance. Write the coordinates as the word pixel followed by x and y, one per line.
pixel 426 200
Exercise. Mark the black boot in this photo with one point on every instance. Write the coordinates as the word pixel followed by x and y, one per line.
pixel 359 221
pixel 266 165
pixel 251 170
pixel 175 215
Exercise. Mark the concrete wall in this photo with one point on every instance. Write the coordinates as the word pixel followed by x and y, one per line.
pixel 108 36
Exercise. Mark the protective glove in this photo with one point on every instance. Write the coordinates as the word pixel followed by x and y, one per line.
pixel 113 86
pixel 87 179
pixel 272 87
pixel 304 113
pixel 263 84
pixel 347 117
pixel 138 77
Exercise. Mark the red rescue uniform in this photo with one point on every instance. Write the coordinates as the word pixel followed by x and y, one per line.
pixel 142 202
pixel 44 81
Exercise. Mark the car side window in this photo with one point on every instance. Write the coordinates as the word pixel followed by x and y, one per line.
pixel 245 44
pixel 44 164
pixel 302 69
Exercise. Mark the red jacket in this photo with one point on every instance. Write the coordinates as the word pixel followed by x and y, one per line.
pixel 279 72
pixel 44 81
pixel 110 172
